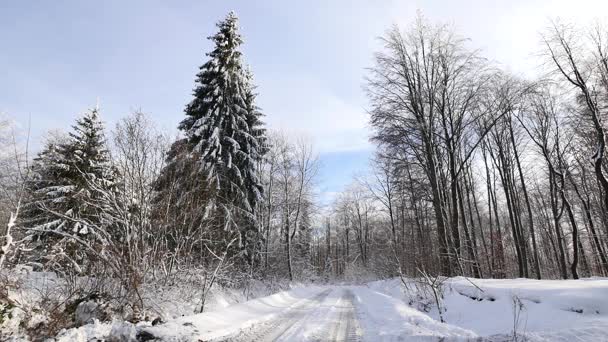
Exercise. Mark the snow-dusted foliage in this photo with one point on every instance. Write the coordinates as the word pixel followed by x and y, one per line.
pixel 67 181
pixel 225 140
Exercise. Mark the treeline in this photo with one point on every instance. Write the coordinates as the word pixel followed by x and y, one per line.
pixel 116 213
pixel 479 172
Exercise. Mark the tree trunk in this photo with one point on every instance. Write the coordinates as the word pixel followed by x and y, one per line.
pixel 528 206
pixel 558 231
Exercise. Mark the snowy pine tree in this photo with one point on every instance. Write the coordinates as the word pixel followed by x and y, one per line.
pixel 68 177
pixel 225 134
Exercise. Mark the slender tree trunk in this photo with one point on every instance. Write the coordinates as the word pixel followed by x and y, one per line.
pixel 471 251
pixel 456 244
pixel 268 219
pixel 506 184
pixel 568 206
pixel 549 236
pixel 500 248
pixel 491 265
pixel 528 206
pixel 471 189
pixel 287 229
pixel 446 266
pixel 556 217
pixel 590 224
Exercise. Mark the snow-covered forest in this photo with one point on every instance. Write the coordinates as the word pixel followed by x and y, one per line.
pixel 479 176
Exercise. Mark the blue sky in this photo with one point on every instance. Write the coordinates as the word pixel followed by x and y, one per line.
pixel 308 58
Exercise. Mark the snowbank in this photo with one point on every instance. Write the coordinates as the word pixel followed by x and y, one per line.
pixel 231 320
pixel 384 318
pixel 540 310
pixel 26 296
pixel 543 307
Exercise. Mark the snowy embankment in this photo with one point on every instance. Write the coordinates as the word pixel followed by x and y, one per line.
pixel 31 304
pixel 385 318
pixel 230 320
pixel 539 310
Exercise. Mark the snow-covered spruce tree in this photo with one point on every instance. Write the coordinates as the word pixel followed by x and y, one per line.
pixel 64 210
pixel 225 135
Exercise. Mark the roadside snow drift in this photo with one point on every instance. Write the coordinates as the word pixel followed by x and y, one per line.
pixel 384 318
pixel 473 310
pixel 539 310
pixel 548 310
pixel 231 320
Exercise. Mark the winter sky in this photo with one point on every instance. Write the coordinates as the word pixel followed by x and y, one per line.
pixel 308 57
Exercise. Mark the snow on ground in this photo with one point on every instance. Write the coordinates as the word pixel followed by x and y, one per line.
pixel 540 310
pixel 229 321
pixel 550 308
pixel 89 332
pixel 30 293
pixel 313 314
pixel 473 309
pixel 184 299
pixel 384 318
pixel 327 316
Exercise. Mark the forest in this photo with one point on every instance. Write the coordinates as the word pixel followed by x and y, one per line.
pixel 477 172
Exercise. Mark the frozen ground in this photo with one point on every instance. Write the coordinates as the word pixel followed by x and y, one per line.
pixel 479 310
pixel 535 310
pixel 473 310
pixel 327 313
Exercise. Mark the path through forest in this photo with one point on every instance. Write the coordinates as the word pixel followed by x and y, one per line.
pixel 316 313
pixel 474 310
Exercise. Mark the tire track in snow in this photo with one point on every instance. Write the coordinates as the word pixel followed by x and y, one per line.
pixel 273 329
pixel 346 327
pixel 323 318
pixel 333 320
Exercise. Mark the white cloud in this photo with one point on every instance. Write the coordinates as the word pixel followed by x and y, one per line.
pixel 508 32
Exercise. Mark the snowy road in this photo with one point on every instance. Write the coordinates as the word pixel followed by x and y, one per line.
pixel 329 316
pixel 327 313
pixel 378 312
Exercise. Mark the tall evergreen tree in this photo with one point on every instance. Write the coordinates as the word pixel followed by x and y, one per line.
pixel 225 135
pixel 68 177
